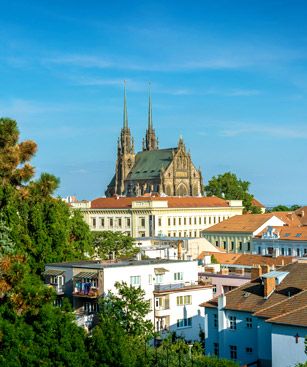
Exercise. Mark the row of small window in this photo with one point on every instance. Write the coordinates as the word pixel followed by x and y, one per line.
pixel 136 279
pixel 291 252
pixel 181 323
pixel 233 322
pixel 232 245
pixel 189 220
pixel 111 222
pixel 184 234
pixel 233 350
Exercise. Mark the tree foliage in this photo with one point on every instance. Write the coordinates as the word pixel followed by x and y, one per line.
pixel 228 186
pixel 110 243
pixel 284 208
pixel 128 308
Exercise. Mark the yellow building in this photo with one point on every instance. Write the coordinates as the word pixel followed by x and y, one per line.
pixel 158 216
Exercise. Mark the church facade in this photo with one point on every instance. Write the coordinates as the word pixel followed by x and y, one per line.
pixel 167 171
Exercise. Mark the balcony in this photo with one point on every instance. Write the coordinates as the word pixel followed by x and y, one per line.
pixel 55 279
pixel 174 286
pixel 85 284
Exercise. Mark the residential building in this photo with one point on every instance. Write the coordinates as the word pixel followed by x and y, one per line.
pixel 235 234
pixel 154 216
pixel 261 323
pixel 233 270
pixel 285 241
pixel 171 287
pixel 173 247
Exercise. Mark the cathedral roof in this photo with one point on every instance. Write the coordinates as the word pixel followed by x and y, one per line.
pixel 148 164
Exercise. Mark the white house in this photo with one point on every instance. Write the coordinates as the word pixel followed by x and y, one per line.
pixel 171 287
pixel 262 323
pixel 281 241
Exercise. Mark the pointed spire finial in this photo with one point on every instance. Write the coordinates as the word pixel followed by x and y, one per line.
pixel 125 108
pixel 149 108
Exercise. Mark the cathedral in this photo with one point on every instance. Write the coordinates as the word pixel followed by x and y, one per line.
pixel 168 171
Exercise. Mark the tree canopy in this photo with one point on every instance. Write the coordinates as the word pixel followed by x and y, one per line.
pixel 117 244
pixel 228 186
pixel 284 208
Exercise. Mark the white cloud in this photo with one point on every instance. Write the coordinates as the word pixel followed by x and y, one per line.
pixel 277 131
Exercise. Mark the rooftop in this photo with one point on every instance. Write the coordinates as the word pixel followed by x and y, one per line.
pixel 289 233
pixel 96 264
pixel 247 259
pixel 289 295
pixel 172 201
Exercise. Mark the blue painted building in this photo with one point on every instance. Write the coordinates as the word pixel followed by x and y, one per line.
pixel 263 323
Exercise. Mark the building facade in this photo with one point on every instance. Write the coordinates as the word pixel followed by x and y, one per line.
pixel 235 234
pixel 282 241
pixel 171 287
pixel 262 323
pixel 167 171
pixel 158 216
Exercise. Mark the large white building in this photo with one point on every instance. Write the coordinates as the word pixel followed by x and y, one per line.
pixel 157 216
pixel 262 323
pixel 171 287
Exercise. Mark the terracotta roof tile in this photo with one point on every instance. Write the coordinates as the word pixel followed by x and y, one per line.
pixel 173 202
pixel 293 233
pixel 297 317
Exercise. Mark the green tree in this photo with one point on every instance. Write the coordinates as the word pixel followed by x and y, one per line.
pixel 110 243
pixel 284 208
pixel 228 186
pixel 128 308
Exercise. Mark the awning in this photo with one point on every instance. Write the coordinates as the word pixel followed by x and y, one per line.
pixel 53 272
pixel 85 274
pixel 160 270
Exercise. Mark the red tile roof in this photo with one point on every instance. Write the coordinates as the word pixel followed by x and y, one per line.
pixel 290 294
pixel 173 202
pixel 286 233
pixel 257 203
pixel 247 259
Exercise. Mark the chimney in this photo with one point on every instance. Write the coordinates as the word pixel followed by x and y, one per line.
pixel 269 287
pixel 265 269
pixel 179 249
pixel 256 272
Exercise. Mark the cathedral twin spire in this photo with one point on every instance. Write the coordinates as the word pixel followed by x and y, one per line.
pixel 126 144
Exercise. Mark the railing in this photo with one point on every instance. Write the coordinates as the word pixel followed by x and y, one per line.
pixel 173 286
pixel 59 289
pixel 91 292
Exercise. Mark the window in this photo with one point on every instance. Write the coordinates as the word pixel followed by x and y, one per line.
pixel 249 350
pixel 216 351
pixel 298 253
pixel 205 220
pixel 248 246
pixel 199 220
pixel 179 221
pixel 249 322
pixel 128 222
pixel 287 234
pixel 215 320
pixel 179 234
pixel 259 250
pixel 224 244
pixel 216 243
pixel 184 322
pixel 159 302
pixel 195 234
pixel 102 222
pixel 94 222
pixel 159 278
pixel 232 322
pixel 185 221
pixel 214 289
pixel 214 220
pixel 174 221
pixel 110 222
pixel 240 245
pixel 289 252
pixel 169 221
pixel 119 222
pixel 209 220
pixel 232 245
pixel 283 252
pixel 142 222
pixel 178 276
pixel 190 220
pixel 233 351
pixel 298 235
pixel 89 307
pixel 135 280
pixel 149 279
pixel 184 300
pixel 159 222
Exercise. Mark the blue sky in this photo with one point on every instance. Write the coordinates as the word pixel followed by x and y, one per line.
pixel 230 76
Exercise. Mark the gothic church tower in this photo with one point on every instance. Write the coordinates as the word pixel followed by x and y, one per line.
pixel 125 153
pixel 150 142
